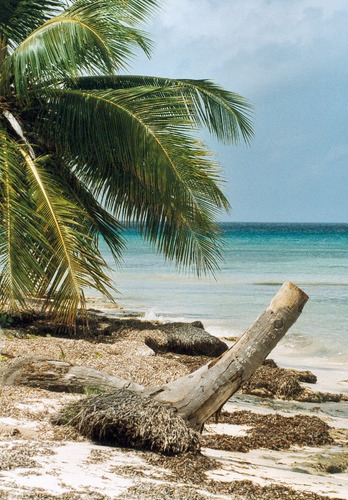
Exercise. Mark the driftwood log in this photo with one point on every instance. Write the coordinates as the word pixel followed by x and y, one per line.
pixel 196 396
pixel 54 375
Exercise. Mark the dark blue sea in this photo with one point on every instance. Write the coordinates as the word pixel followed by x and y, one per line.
pixel 258 258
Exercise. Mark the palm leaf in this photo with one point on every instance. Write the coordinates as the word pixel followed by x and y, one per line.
pixel 18 18
pixel 98 221
pixel 76 262
pixel 177 229
pixel 137 135
pixel 23 248
pixel 110 148
pixel 226 114
pixel 89 36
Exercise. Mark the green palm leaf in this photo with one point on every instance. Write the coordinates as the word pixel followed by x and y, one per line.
pixel 82 148
pixel 45 249
pixel 90 36
pixel 77 263
pixel 225 114
pixel 23 247
pixel 98 221
pixel 18 18
pixel 138 132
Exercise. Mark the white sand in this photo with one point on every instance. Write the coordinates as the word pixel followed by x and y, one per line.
pixel 84 468
pixel 268 466
pixel 71 468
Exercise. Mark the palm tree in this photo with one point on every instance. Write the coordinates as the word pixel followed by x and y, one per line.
pixel 83 147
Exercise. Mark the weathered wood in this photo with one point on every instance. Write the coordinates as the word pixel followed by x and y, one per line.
pixel 202 393
pixel 61 376
pixel 196 396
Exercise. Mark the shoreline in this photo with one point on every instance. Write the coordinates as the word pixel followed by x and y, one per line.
pixel 48 462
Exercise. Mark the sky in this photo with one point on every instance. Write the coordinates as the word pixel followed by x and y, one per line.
pixel 290 59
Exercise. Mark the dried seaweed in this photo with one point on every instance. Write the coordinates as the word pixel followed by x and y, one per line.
pixel 274 432
pixel 124 418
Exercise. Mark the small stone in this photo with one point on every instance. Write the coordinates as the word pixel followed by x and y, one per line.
pixel 334 469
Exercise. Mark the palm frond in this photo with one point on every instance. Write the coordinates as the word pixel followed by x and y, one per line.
pixel 98 221
pixel 18 18
pixel 82 148
pixel 23 248
pixel 225 114
pixel 75 262
pixel 89 36
pixel 48 243
pixel 179 231
pixel 139 133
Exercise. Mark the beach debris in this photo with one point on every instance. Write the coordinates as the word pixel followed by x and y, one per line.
pixel 272 431
pixel 124 418
pixel 12 457
pixel 188 478
pixel 121 359
pixel 185 338
pixel 192 363
pixel 189 468
pixel 270 381
pixel 60 376
pixel 195 396
pixel 202 393
pixel 178 337
pixel 193 470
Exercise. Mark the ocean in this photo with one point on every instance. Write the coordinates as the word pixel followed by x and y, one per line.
pixel 258 258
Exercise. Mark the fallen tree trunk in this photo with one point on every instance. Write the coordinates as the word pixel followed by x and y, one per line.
pixel 196 396
pixel 202 393
pixel 61 376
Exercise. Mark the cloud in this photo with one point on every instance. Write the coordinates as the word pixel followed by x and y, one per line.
pixel 249 23
pixel 248 43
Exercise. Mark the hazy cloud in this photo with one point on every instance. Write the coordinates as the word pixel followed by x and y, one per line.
pixel 253 43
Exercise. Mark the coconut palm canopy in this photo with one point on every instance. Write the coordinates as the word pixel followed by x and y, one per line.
pixel 83 147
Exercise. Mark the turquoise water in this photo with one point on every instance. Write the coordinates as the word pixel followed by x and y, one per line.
pixel 258 258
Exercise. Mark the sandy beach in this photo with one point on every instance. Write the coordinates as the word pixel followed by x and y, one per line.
pixel 262 447
pixel 173 250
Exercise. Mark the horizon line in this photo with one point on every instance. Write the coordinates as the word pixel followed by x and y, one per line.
pixel 277 222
